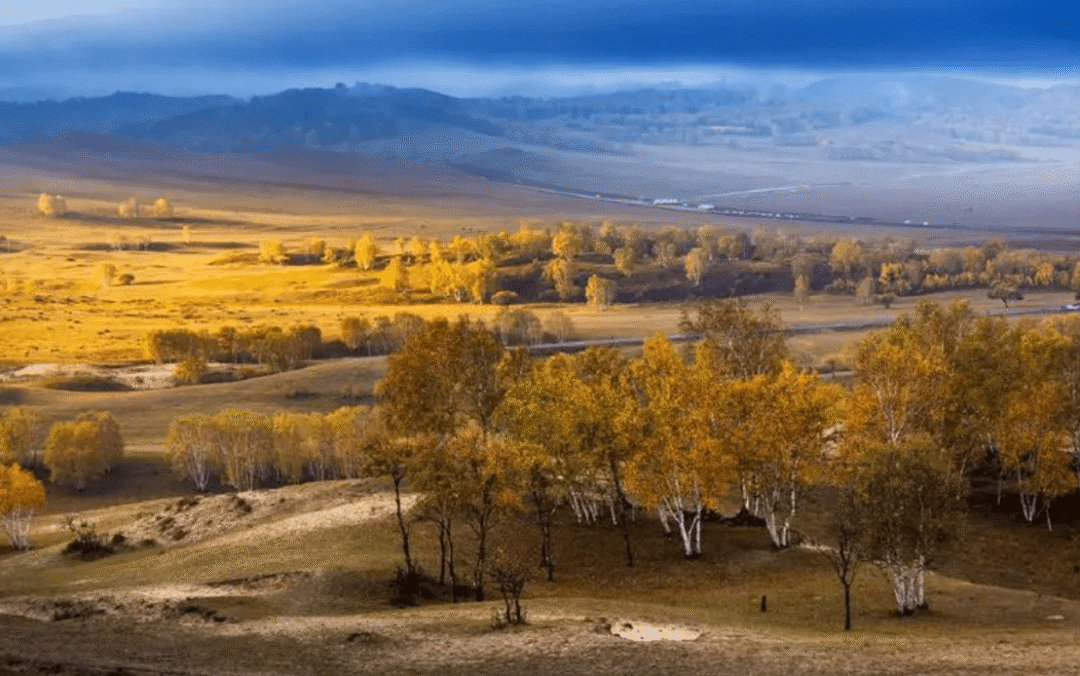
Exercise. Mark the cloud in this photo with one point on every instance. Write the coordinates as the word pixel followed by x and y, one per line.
pixel 296 36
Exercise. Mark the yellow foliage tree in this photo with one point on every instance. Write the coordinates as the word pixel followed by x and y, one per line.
pixel 20 495
pixel 695 263
pixel 365 252
pixel 675 469
pixel 53 206
pixel 129 208
pixel 396 275
pixel 600 292
pixel 22 435
pixel 192 448
pixel 787 442
pixel 72 454
pixel 163 208
pixel 271 251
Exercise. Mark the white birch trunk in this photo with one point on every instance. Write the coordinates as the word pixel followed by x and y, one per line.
pixel 1028 504
pixel 17 524
pixel 662 514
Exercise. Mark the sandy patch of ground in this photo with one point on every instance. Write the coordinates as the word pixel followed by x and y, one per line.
pixel 257 516
pixel 139 377
pixel 649 631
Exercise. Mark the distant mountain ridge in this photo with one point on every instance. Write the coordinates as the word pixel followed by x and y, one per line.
pixel 421 124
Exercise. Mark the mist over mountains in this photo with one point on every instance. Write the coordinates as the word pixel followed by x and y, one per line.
pixel 909 149
pixel 910 119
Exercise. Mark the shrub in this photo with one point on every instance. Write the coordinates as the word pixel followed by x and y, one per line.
pixel 125 279
pixel 504 298
pixel 88 544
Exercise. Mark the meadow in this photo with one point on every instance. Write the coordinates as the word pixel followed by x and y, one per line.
pixel 304 576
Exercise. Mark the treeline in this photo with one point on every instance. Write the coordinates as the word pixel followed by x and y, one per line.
pixel 475 269
pixel 284 349
pixel 245 450
pixel 900 269
pixel 599 262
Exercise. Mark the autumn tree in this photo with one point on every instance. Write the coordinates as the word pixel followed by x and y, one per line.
pixel 559 272
pixel 1066 372
pixel 53 206
pixel 538 416
pixel 163 208
pixel 365 252
pixel 357 433
pixel 356 333
pixel 696 263
pixel 566 244
pixel 901 388
pixel 106 273
pixel 20 495
pixel 848 258
pixel 1005 291
pixel 673 471
pixel 22 436
pixel 1029 432
pixel 488 487
pixel 191 446
pixel 245 447
pixel 271 251
pixel 416 248
pixel 909 501
pixel 624 261
pixel 559 326
pixel 442 378
pixel 792 412
pixel 438 477
pixel 745 342
pixel 600 292
pixel 129 208
pixel 72 455
pixel 517 327
pixel 396 275
pixel 606 426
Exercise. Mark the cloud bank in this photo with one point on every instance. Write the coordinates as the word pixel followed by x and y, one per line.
pixel 196 45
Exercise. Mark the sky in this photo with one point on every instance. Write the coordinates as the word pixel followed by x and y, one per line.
pixel 496 47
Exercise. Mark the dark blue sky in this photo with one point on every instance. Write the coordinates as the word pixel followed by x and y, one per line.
pixel 469 46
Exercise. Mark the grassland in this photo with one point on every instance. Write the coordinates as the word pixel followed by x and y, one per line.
pixel 304 581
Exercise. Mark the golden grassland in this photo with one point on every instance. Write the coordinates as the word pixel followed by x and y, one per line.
pixel 990 600
pixel 53 307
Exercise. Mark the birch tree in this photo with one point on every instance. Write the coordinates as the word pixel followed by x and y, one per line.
pixel 488 488
pixel 365 252
pixel 788 442
pixel 1029 435
pixel 22 436
pixel 909 502
pixel 669 471
pixel 20 495
pixel 191 447
pixel 539 417
pixel 745 341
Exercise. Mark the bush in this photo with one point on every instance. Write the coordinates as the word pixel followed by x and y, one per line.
pixel 409 587
pixel 88 544
pixel 125 279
